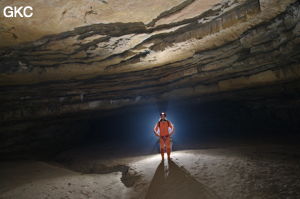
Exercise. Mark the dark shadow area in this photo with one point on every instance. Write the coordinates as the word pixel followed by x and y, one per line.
pixel 129 131
pixel 171 181
pixel 209 125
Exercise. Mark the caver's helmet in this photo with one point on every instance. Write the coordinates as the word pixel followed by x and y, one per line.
pixel 163 113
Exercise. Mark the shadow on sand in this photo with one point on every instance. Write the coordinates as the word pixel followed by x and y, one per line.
pixel 171 181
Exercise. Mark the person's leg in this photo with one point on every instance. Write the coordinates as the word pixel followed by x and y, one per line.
pixel 168 146
pixel 162 147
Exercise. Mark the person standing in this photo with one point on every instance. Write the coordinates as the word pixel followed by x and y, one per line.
pixel 164 129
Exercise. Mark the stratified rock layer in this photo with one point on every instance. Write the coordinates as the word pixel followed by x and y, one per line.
pixel 204 50
pixel 102 66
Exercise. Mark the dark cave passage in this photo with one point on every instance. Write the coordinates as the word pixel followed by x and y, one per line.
pixel 84 82
pixel 129 131
pixel 214 119
pixel 197 126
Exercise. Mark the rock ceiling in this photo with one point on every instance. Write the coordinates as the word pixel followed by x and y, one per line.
pixel 83 55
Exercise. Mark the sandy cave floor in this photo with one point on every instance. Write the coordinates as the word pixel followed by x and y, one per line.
pixel 237 172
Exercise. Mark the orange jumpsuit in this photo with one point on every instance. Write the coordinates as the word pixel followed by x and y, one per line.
pixel 163 126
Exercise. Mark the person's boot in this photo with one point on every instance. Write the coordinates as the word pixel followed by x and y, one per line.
pixel 169 153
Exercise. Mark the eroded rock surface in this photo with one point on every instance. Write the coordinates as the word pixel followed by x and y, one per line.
pixel 105 55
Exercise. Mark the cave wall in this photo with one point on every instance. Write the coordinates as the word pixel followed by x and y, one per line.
pixel 53 75
pixel 41 138
pixel 43 78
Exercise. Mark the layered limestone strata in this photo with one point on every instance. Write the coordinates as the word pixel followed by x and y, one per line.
pixel 81 58
pixel 232 46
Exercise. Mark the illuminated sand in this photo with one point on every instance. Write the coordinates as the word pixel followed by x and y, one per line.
pixel 243 172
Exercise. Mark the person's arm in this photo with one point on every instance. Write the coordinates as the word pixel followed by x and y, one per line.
pixel 172 129
pixel 156 130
